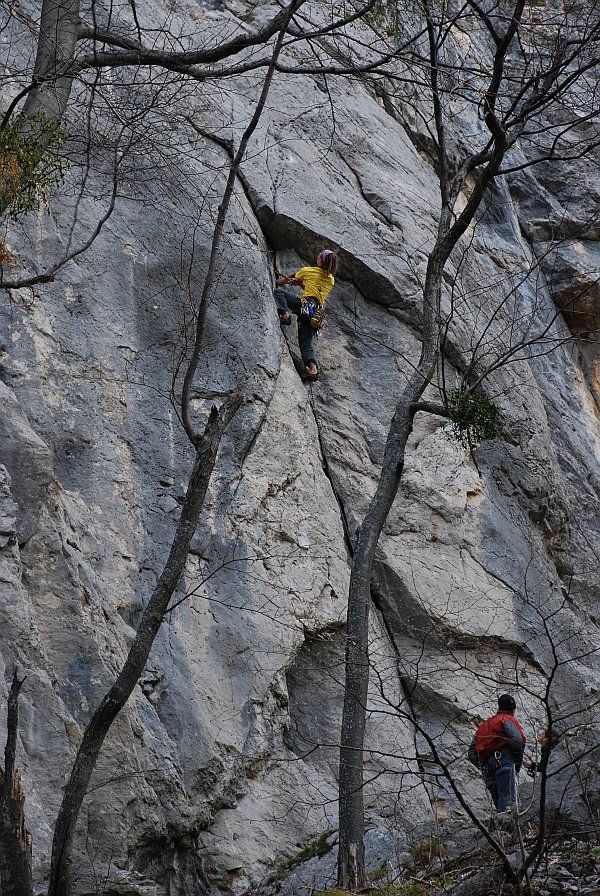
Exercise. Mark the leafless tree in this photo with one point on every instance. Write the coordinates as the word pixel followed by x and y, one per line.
pixel 556 708
pixel 519 81
pixel 59 26
pixel 15 841
pixel 433 672
pixel 521 84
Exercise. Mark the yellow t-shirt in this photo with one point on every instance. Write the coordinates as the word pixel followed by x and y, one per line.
pixel 316 283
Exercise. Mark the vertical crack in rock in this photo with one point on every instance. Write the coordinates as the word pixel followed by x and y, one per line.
pixel 327 470
pixel 407 690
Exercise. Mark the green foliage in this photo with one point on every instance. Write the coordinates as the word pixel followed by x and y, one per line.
pixel 473 416
pixel 318 847
pixel 399 887
pixel 29 164
pixel 334 892
pixel 423 853
pixel 412 888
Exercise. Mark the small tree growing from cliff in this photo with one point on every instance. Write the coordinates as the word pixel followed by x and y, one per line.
pixel 524 78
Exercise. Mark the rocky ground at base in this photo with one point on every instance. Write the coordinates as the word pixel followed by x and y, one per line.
pixel 457 862
pixel 570 864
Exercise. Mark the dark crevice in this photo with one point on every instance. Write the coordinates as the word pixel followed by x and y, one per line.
pixel 425 145
pixel 252 441
pixel 315 244
pixel 348 540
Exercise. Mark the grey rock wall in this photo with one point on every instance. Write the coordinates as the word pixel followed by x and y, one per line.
pixel 224 761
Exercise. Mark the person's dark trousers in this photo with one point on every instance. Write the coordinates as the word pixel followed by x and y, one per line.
pixel 287 300
pixel 499 776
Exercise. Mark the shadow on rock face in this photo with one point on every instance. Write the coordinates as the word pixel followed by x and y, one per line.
pixel 28 461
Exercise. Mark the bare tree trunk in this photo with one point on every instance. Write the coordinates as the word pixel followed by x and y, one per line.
pixel 351 871
pixel 206 451
pixel 351 866
pixel 51 87
pixel 15 840
pixel 48 93
pixel 351 874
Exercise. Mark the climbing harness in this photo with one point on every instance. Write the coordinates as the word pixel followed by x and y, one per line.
pixel 314 312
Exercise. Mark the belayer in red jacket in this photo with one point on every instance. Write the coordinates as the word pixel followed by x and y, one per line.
pixel 497 749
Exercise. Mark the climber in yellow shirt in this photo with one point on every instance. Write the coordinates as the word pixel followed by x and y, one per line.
pixel 316 282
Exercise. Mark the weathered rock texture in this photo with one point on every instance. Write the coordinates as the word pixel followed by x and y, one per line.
pixel 225 758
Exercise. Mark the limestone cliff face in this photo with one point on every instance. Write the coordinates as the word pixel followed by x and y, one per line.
pixel 225 757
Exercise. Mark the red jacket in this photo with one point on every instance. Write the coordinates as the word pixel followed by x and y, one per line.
pixel 501 732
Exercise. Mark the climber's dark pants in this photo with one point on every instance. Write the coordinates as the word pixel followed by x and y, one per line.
pixel 287 300
pixel 500 780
